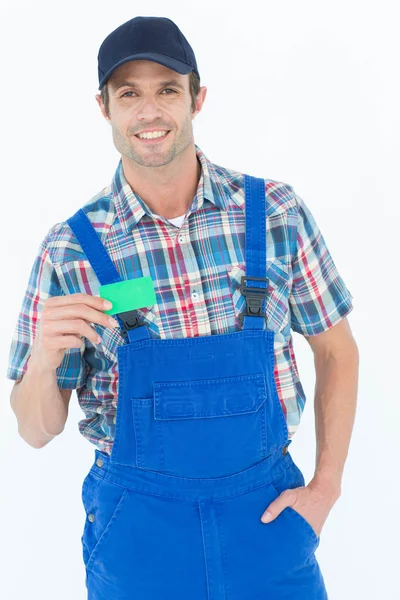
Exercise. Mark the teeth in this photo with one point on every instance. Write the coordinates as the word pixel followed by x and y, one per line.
pixel 152 134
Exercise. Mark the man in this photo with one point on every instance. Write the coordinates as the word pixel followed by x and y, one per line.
pixel 193 402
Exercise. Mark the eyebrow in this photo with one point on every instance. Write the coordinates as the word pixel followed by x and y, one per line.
pixel 173 82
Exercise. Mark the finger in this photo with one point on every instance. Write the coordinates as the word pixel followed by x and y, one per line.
pixel 78 326
pixel 89 299
pixel 286 498
pixel 65 342
pixel 78 310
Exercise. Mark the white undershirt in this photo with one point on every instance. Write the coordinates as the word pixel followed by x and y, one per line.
pixel 177 221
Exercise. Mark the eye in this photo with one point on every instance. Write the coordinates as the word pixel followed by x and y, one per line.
pixel 165 90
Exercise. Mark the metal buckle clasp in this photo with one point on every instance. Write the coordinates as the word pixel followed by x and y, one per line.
pixel 130 320
pixel 254 296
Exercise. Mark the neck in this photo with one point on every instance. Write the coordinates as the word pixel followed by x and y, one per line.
pixel 168 190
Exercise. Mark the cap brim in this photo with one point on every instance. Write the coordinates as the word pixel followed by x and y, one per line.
pixel 171 63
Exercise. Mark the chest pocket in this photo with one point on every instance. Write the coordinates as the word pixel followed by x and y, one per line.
pixel 202 428
pixel 277 301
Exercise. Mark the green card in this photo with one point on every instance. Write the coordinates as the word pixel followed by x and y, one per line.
pixel 129 294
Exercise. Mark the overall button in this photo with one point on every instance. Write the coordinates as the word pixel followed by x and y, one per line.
pixel 99 462
pixel 285 450
pixel 91 518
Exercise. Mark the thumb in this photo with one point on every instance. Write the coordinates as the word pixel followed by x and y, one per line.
pixel 286 498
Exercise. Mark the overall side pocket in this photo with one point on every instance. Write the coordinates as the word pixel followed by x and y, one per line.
pixel 291 478
pixel 102 501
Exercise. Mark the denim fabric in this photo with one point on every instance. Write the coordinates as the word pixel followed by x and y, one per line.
pixel 170 538
pixel 196 270
pixel 201 449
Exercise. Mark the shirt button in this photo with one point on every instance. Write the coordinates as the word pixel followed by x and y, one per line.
pixel 99 462
pixel 91 518
pixel 180 239
pixel 195 296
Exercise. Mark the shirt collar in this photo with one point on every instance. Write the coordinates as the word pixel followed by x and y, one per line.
pixel 131 208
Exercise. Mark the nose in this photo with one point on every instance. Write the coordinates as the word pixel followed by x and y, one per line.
pixel 149 109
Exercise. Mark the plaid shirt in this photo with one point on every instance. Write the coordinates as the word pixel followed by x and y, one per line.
pixel 196 270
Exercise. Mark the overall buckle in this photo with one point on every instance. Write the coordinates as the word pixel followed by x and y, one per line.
pixel 130 320
pixel 254 296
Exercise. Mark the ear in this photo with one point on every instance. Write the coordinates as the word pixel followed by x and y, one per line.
pixel 102 108
pixel 201 96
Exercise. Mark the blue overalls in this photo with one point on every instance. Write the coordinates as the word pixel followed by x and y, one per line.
pixel 200 450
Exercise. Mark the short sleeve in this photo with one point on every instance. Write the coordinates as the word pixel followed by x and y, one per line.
pixel 319 297
pixel 43 283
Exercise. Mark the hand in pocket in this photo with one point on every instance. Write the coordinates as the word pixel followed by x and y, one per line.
pixel 309 502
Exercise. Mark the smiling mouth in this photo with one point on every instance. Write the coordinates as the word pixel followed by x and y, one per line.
pixel 152 140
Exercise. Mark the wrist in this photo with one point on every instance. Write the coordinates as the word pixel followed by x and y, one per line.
pixel 39 368
pixel 328 485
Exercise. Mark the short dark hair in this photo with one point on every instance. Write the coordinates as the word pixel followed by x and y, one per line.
pixel 194 85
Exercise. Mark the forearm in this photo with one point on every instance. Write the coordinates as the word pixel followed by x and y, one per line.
pixel 335 408
pixel 38 405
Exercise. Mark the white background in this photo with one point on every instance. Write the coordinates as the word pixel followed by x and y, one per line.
pixel 303 92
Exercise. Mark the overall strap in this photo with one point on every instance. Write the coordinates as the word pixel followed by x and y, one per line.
pixel 254 284
pixel 105 269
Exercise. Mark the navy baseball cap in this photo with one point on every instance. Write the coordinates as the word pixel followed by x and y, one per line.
pixel 146 38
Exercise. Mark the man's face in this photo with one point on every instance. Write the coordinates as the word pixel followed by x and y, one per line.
pixel 146 95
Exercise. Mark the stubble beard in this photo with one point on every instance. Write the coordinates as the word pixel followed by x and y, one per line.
pixel 153 156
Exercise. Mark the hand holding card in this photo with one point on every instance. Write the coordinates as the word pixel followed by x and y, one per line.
pixel 128 294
